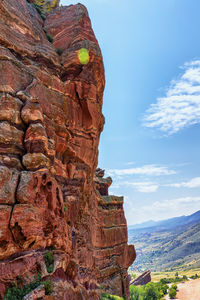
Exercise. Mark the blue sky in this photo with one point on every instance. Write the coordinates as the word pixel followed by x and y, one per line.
pixel 150 144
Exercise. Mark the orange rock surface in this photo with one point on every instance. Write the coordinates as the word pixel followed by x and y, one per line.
pixel 50 123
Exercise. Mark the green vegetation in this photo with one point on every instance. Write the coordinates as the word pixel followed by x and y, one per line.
pixel 48 286
pixel 172 293
pixel 110 297
pixel 159 286
pixel 49 37
pixel 17 291
pixel 184 273
pixel 135 292
pixel 40 11
pixel 59 51
pixel 174 286
pixel 49 261
pixel 150 291
pixel 171 280
pixel 194 276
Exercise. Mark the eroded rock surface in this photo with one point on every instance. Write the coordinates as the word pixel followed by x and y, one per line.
pixel 144 278
pixel 50 124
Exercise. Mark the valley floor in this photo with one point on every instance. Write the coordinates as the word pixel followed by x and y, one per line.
pixel 190 290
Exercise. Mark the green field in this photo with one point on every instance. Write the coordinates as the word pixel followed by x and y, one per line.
pixel 157 276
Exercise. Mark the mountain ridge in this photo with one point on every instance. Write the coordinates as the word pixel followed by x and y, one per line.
pixel 168 245
pixel 162 223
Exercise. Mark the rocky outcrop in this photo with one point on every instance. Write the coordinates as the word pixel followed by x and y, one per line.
pixel 144 278
pixel 51 199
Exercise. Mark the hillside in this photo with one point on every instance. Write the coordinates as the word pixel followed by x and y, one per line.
pixel 169 223
pixel 168 244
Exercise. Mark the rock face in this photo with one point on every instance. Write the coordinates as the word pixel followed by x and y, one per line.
pixel 144 278
pixel 50 123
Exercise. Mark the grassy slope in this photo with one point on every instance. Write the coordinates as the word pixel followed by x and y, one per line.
pixel 176 248
pixel 157 276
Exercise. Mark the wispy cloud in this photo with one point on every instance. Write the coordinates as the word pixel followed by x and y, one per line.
pixel 159 210
pixel 130 163
pixel 181 105
pixel 142 187
pixel 193 183
pixel 148 170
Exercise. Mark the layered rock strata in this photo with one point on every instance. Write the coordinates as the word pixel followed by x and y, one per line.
pixel 143 279
pixel 50 124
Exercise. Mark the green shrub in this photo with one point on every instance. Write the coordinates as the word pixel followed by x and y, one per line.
pixel 49 261
pixel 16 292
pixel 135 292
pixel 106 296
pixel 151 292
pixel 59 51
pixel 163 288
pixel 185 277
pixel 49 37
pixel 172 293
pixel 174 286
pixel 48 286
pixel 170 280
pixel 40 11
pixel 194 276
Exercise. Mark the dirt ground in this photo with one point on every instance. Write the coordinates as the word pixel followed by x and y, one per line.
pixel 190 290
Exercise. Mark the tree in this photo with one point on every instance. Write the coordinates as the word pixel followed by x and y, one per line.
pixel 134 292
pixel 174 286
pixel 151 292
pixel 163 288
pixel 172 293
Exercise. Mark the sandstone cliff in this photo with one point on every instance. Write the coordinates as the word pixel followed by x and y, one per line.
pixel 51 199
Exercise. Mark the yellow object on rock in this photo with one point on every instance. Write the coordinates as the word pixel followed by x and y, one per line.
pixel 47 5
pixel 83 56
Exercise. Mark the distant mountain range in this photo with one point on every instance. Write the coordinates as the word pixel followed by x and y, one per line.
pixel 167 244
pixel 169 223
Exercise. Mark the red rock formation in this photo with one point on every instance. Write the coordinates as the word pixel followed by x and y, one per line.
pixel 144 278
pixel 50 123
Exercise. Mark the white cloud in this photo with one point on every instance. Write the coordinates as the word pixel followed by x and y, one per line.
pixel 193 183
pixel 160 210
pixel 143 187
pixel 180 107
pixel 148 170
pixel 130 163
